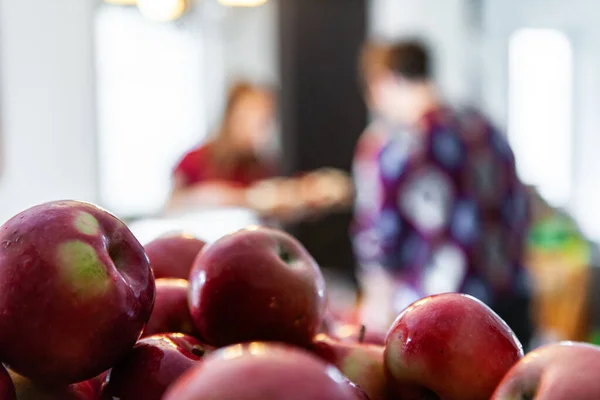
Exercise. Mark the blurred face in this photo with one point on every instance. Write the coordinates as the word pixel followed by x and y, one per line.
pixel 251 121
pixel 394 99
pixel 374 97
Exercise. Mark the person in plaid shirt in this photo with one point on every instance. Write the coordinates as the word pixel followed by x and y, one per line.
pixel 448 212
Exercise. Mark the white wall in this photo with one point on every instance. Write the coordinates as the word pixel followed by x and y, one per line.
pixel 240 43
pixel 251 41
pixel 445 25
pixel 47 103
pixel 151 97
pixel 161 89
pixel 578 19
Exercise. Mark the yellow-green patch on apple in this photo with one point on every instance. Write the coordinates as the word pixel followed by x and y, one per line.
pixel 357 363
pixel 82 269
pixel 87 224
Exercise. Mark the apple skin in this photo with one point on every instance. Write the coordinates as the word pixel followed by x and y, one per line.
pixel 561 371
pixel 76 290
pixel 361 363
pixel 27 390
pixel 172 256
pixel 152 366
pixel 262 371
pixel 7 389
pixel 451 346
pixel 171 313
pixel 98 382
pixel 257 284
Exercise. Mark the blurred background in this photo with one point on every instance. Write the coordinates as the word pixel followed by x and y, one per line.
pixel 101 99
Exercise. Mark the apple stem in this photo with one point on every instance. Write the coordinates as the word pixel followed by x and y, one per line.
pixel 363 332
pixel 198 351
pixel 285 255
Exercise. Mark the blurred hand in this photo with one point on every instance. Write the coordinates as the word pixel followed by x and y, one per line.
pixel 292 199
pixel 278 198
pixel 326 189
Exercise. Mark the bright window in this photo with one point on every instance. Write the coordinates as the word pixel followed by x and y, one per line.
pixel 150 106
pixel 540 110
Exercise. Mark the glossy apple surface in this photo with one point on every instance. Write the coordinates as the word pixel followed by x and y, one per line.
pixel 451 346
pixel 172 256
pixel 260 371
pixel 257 284
pixel 171 313
pixel 97 383
pixel 361 363
pixel 562 371
pixel 152 366
pixel 76 290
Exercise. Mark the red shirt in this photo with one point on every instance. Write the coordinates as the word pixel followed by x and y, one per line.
pixel 198 166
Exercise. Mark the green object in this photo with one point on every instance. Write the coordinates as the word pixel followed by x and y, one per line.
pixel 552 233
pixel 87 224
pixel 559 234
pixel 595 338
pixel 82 269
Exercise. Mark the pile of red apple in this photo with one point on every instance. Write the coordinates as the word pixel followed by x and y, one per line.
pixel 87 312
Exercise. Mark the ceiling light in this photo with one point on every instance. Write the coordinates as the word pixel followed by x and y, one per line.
pixel 162 10
pixel 122 2
pixel 242 3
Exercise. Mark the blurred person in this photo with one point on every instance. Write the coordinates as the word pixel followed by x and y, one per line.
pixel 219 172
pixel 448 212
pixel 237 167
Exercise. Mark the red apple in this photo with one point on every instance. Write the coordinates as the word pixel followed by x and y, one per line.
pixel 7 389
pixel 361 363
pixel 76 290
pixel 260 371
pixel 98 382
pixel 171 313
pixel 451 346
pixel 562 371
pixel 172 256
pixel 153 364
pixel 28 390
pixel 257 284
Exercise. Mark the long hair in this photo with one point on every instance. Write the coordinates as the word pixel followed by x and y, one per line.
pixel 223 152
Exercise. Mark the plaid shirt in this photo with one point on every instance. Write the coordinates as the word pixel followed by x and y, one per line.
pixel 442 209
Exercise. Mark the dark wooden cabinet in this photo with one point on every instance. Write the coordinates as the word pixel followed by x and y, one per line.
pixel 322 109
